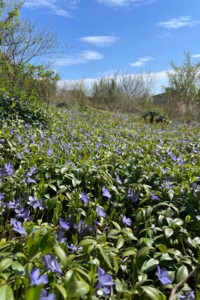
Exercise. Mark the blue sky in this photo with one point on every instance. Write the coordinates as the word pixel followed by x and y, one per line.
pixel 120 35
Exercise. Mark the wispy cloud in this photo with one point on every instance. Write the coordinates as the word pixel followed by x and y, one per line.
pixel 125 3
pixel 175 23
pixel 141 61
pixel 58 7
pixel 80 58
pixel 196 55
pixel 160 78
pixel 100 40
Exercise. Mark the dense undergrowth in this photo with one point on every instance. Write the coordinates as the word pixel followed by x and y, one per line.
pixel 97 205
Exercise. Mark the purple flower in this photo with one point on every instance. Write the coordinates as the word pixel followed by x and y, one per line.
pixel 36 279
pixel 49 151
pixel 31 171
pixel 19 138
pixel 171 155
pixel 9 169
pixel 154 197
pixel 18 226
pixel 189 295
pixel 34 202
pixel 164 171
pixel 80 226
pixel 105 281
pixel 73 248
pixel 44 296
pixel 1 196
pixel 118 180
pixel 106 192
pixel 126 221
pixel 22 213
pixel 31 180
pixel 14 204
pixel 84 197
pixel 64 225
pixel 132 194
pixel 163 276
pixel 60 236
pixel 50 262
pixel 100 212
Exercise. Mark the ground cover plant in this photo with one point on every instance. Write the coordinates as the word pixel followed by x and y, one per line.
pixel 95 205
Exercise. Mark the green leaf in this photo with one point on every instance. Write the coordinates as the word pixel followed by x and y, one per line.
pixel 105 256
pixel 17 267
pixel 116 225
pixel 61 289
pixel 162 248
pixel 61 254
pixel 153 293
pixel 182 273
pixel 85 158
pixel 128 232
pixel 113 232
pixel 171 194
pixel 129 252
pixel 6 292
pixel 150 265
pixel 141 256
pixel 120 243
pixel 53 187
pixel 168 232
pixel 82 288
pixel 5 264
pixel 34 293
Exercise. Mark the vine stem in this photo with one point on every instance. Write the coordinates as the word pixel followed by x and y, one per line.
pixel 176 287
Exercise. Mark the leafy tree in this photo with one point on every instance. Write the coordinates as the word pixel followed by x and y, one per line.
pixel 184 81
pixel 21 45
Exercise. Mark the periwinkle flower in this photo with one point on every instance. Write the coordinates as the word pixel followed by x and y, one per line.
pixel 19 138
pixel 49 151
pixel 132 194
pixel 64 224
pixel 163 275
pixel 18 227
pixel 60 236
pixel 1 196
pixel 22 213
pixel 36 279
pixel 118 179
pixel 44 295
pixel 73 248
pixel 105 281
pixel 189 295
pixel 34 202
pixel 154 197
pixel 126 221
pixel 106 193
pixel 100 212
pixel 50 262
pixel 171 155
pixel 9 169
pixel 84 197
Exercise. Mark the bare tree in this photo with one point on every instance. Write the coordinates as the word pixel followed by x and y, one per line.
pixel 136 86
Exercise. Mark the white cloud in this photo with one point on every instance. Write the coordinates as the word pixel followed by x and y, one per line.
pixel 161 81
pixel 62 8
pixel 125 3
pixel 176 23
pixel 196 56
pixel 100 40
pixel 141 61
pixel 80 58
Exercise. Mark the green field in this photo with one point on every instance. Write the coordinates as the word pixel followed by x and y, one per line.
pixel 97 205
